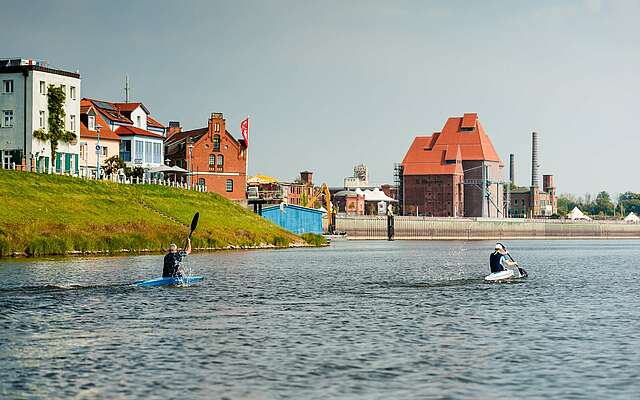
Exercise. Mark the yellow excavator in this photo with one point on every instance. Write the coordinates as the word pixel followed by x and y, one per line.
pixel 331 212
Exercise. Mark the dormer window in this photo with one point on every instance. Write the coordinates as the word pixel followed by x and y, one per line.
pixel 91 123
pixel 139 122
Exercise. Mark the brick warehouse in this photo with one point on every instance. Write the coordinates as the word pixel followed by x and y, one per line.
pixel 218 159
pixel 453 173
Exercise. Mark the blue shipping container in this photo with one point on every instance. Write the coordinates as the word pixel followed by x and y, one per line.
pixel 294 218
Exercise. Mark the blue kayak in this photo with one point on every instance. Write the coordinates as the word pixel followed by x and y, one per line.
pixel 185 280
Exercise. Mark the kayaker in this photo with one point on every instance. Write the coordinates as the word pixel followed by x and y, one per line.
pixel 173 259
pixel 498 261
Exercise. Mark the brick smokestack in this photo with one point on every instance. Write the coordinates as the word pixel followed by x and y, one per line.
pixel 512 169
pixel 535 164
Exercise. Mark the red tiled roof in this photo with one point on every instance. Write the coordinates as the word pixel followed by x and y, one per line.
pixel 105 131
pixel 428 155
pixel 154 123
pixel 196 134
pixel 113 115
pixel 129 107
pixel 132 130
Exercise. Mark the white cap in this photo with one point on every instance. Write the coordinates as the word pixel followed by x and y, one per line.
pixel 499 246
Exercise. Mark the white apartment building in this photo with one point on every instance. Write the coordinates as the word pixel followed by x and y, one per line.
pixel 23 109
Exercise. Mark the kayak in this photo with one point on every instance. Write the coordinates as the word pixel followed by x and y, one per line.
pixel 185 280
pixel 511 273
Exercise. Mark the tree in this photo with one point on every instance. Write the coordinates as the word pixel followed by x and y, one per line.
pixel 603 204
pixel 57 131
pixel 114 164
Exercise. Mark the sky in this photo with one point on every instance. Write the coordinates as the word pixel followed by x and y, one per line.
pixel 331 84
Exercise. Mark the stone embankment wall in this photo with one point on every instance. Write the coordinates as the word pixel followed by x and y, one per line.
pixel 423 228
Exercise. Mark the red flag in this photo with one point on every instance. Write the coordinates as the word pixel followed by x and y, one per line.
pixel 244 127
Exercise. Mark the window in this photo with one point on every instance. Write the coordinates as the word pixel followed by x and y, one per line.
pixel 105 151
pixel 72 123
pixel 8 119
pixel 157 153
pixel 216 142
pixel 229 185
pixel 139 122
pixel 64 89
pixel 216 127
pixel 148 152
pixel 91 122
pixel 201 182
pixel 7 85
pixel 42 119
pixel 43 87
pixel 72 92
pixel 212 160
pixel 139 151
pixel 125 150
pixel 83 152
pixel 515 202
pixel 220 161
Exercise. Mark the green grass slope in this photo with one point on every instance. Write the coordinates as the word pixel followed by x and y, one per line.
pixel 48 214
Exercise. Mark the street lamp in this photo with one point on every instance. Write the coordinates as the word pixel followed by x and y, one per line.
pixel 98 154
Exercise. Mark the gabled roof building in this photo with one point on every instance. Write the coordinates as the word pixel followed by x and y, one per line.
pixel 452 173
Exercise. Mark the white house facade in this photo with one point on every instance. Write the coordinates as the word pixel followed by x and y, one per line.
pixel 24 108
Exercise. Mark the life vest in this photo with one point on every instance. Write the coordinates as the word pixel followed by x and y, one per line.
pixel 494 262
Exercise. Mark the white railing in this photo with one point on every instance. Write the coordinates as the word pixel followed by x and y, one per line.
pixel 122 179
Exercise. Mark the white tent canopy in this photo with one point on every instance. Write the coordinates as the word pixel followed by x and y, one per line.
pixel 376 195
pixel 161 168
pixel 632 217
pixel 577 214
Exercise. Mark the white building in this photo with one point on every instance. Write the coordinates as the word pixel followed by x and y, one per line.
pixel 24 108
pixel 360 178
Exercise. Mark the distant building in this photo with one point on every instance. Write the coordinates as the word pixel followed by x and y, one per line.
pixel 24 108
pixel 218 160
pixel 532 202
pixel 300 191
pixel 452 173
pixel 141 137
pixel 360 178
pixel 91 122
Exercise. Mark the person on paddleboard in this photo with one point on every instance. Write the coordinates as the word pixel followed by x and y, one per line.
pixel 173 259
pixel 498 261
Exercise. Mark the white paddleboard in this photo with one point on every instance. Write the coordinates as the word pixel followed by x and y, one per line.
pixel 500 276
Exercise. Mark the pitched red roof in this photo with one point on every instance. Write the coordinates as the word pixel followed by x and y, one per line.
pixel 105 131
pixel 129 107
pixel 442 152
pixel 109 110
pixel 154 123
pixel 195 134
pixel 132 130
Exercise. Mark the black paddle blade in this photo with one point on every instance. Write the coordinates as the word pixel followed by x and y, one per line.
pixel 194 222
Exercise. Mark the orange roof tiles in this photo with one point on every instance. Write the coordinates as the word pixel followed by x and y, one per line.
pixel 441 152
pixel 129 107
pixel 154 123
pixel 105 131
pixel 133 130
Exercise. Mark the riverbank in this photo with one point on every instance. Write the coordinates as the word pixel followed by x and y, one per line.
pixel 57 215
pixel 425 228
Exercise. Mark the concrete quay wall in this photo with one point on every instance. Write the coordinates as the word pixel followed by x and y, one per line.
pixel 425 228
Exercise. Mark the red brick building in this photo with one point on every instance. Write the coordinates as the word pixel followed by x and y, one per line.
pixel 218 160
pixel 443 174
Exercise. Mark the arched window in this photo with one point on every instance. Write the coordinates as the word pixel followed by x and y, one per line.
pixel 216 142
pixel 229 185
pixel 220 161
pixel 212 160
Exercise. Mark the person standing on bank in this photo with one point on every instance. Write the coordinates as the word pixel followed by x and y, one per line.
pixel 498 260
pixel 173 259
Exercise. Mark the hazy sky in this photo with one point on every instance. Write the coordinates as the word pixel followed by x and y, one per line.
pixel 329 84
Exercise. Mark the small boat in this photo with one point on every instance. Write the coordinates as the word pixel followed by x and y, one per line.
pixel 507 274
pixel 177 281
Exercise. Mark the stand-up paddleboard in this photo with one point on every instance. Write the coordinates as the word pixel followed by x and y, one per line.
pixel 178 281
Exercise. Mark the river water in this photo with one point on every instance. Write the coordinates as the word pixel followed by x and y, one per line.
pixel 357 320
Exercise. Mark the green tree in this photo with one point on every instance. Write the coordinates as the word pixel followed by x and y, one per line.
pixel 57 131
pixel 603 204
pixel 113 164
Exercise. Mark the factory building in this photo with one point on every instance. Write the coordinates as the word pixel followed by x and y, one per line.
pixel 452 173
pixel 531 202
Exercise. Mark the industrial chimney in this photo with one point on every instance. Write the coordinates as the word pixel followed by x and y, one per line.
pixel 535 179
pixel 512 170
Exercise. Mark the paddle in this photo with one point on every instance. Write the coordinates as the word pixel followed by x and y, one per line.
pixel 194 224
pixel 521 271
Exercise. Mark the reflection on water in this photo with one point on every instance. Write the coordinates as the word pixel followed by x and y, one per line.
pixel 356 320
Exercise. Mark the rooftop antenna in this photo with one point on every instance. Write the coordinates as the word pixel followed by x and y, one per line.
pixel 126 88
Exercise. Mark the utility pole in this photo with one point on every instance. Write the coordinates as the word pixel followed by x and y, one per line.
pixel 126 88
pixel 98 148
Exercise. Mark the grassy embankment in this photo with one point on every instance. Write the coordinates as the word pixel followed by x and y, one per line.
pixel 47 214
